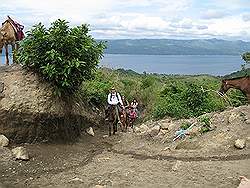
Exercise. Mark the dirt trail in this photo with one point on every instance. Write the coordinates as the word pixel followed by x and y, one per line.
pixel 130 160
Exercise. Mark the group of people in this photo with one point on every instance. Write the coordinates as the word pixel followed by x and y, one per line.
pixel 114 98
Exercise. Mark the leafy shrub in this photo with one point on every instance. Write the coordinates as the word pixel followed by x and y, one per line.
pixel 206 121
pixel 185 125
pixel 62 55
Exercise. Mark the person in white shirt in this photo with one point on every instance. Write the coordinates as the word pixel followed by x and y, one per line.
pixel 114 98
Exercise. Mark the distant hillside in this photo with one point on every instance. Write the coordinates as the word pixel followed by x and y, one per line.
pixel 238 74
pixel 177 47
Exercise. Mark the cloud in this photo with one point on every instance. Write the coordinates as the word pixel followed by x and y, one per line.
pixel 213 14
pixel 139 18
pixel 246 17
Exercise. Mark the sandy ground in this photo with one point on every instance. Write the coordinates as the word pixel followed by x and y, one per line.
pixel 129 160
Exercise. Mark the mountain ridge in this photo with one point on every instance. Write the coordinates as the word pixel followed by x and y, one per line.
pixel 176 47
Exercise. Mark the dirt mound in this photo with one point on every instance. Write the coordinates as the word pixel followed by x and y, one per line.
pixel 217 142
pixel 30 112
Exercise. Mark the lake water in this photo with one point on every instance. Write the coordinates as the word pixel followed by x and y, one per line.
pixel 174 64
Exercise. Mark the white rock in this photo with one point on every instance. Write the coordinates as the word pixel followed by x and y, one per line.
pixel 240 143
pixel 3 141
pixel 177 165
pixel 168 126
pixel 90 131
pixel 20 153
pixel 143 128
pixel 100 186
pixel 233 117
pixel 247 121
pixel 76 179
pixel 154 130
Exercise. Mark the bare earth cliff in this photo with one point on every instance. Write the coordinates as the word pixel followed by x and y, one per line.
pixel 30 112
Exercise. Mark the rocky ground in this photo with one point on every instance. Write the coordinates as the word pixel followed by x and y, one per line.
pixel 146 158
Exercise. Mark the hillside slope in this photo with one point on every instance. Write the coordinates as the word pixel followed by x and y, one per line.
pixel 177 47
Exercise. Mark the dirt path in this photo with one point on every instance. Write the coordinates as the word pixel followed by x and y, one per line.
pixel 108 162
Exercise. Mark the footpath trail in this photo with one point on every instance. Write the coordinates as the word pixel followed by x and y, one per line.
pixel 135 160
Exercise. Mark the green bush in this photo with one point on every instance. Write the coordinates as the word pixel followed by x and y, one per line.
pixel 206 122
pixel 62 55
pixel 185 125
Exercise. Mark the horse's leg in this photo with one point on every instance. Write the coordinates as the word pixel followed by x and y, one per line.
pixel 109 128
pixel 7 54
pixel 1 56
pixel 115 126
pixel 13 45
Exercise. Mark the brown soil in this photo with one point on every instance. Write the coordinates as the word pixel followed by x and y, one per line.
pixel 132 160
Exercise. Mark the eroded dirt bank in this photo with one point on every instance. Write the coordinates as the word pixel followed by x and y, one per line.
pixel 140 160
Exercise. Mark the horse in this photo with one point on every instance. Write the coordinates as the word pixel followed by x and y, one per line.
pixel 242 83
pixel 10 33
pixel 113 119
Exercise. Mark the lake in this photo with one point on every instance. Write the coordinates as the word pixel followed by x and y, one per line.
pixel 174 64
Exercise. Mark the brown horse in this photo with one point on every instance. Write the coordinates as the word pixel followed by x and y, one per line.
pixel 113 119
pixel 242 84
pixel 8 36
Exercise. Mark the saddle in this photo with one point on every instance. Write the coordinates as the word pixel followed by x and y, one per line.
pixel 18 29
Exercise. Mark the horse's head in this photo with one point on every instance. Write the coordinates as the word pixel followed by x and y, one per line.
pixel 224 87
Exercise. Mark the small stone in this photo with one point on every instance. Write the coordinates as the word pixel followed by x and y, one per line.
pixel 3 141
pixel 20 153
pixel 99 186
pixel 154 130
pixel 240 143
pixel 77 179
pixel 177 165
pixel 90 131
pixel 1 87
pixel 233 117
pixel 247 121
pixel 143 128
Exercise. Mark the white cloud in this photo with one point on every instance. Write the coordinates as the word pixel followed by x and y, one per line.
pixel 246 17
pixel 138 18
pixel 213 14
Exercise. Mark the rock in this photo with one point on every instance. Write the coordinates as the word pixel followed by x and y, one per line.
pixel 3 141
pixel 154 131
pixel 177 165
pixel 247 121
pixel 1 87
pixel 76 179
pixel 167 126
pixel 240 143
pixel 100 186
pixel 143 128
pixel 20 153
pixel 233 117
pixel 5 154
pixel 244 182
pixel 194 131
pixel 90 131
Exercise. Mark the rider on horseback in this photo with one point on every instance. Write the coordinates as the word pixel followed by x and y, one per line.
pixel 114 98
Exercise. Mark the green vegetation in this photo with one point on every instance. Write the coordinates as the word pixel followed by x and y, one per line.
pixel 162 95
pixel 62 55
pixel 185 125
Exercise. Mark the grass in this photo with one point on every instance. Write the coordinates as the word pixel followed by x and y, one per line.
pixel 178 96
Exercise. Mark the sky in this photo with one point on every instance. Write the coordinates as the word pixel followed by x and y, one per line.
pixel 119 19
